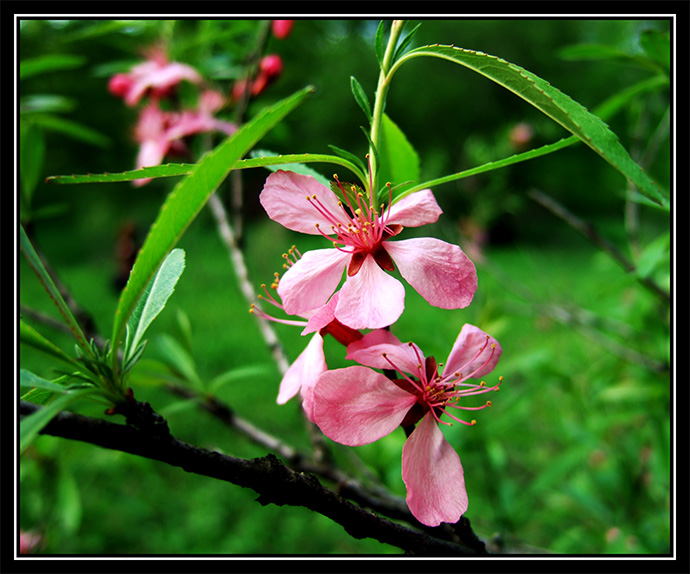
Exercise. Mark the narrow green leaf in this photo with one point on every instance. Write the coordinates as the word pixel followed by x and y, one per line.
pixel 71 129
pixel 165 170
pixel 558 106
pixel 302 158
pixel 294 167
pixel 655 255
pixel 49 63
pixel 372 146
pixel 37 103
pixel 249 372
pixel 186 201
pixel 399 160
pixel 349 156
pixel 176 357
pixel 31 154
pixel 45 279
pixel 30 336
pixel 360 97
pixel 405 42
pixel 29 379
pixel 154 298
pixel 32 424
pixel 378 43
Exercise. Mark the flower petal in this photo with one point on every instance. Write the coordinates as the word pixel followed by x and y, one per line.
pixel 370 299
pixel 322 316
pixel 433 475
pixel 370 348
pixel 416 209
pixel 284 197
pixel 439 271
pixel 305 371
pixel 309 283
pixel 356 406
pixel 472 352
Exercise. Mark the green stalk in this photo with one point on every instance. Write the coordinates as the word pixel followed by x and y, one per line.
pixel 380 101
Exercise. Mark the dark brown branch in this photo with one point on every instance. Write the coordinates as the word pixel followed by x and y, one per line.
pixel 147 435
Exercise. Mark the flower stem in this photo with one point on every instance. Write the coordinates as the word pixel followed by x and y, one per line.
pixel 380 101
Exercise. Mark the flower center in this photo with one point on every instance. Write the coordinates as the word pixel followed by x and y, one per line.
pixel 358 228
pixel 437 393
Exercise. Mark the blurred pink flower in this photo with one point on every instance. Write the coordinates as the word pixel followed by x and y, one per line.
pixel 357 405
pixel 29 541
pixel 160 132
pixel 281 28
pixel 370 298
pixel 270 68
pixel 156 76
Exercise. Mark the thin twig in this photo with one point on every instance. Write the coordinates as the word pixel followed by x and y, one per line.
pixel 589 231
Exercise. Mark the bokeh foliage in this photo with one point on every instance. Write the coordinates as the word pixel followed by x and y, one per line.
pixel 573 457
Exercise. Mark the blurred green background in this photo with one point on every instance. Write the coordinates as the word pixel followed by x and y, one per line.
pixel 573 456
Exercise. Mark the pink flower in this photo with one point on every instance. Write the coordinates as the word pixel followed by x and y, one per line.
pixel 369 298
pixel 357 405
pixel 302 375
pixel 156 76
pixel 281 28
pixel 161 132
pixel 270 68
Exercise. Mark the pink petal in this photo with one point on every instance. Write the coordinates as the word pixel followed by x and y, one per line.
pixel 305 371
pixel 439 271
pixel 309 283
pixel 322 316
pixel 416 209
pixel 433 476
pixel 370 348
pixel 284 197
pixel 465 356
pixel 356 406
pixel 370 299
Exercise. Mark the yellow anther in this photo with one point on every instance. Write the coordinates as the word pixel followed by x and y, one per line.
pixel 488 403
pixel 493 345
pixel 313 196
pixel 482 384
pixel 474 422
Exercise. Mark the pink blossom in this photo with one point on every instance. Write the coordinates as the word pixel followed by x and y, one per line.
pixel 161 132
pixel 156 76
pixel 281 28
pixel 357 405
pixel 370 298
pixel 302 375
pixel 270 68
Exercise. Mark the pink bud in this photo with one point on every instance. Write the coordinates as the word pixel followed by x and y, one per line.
pixel 282 28
pixel 119 85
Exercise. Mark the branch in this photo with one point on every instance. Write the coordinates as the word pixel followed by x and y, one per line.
pixel 147 435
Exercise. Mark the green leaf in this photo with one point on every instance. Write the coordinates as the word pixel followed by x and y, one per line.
pixel 399 160
pixel 29 379
pixel 186 201
pixel 176 357
pixel 45 279
pixel 30 336
pixel 31 153
pixel 49 63
pixel 37 103
pixel 294 167
pixel 405 42
pixel 378 43
pixel 360 97
pixel 349 156
pixel 32 424
pixel 165 170
pixel 154 298
pixel 249 372
pixel 71 129
pixel 302 158
pixel 558 106
pixel 654 255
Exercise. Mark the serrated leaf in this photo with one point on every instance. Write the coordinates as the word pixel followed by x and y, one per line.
pixel 165 170
pixel 301 158
pixel 186 201
pixel 555 104
pixel 154 298
pixel 399 160
pixel 300 168
pixel 360 97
